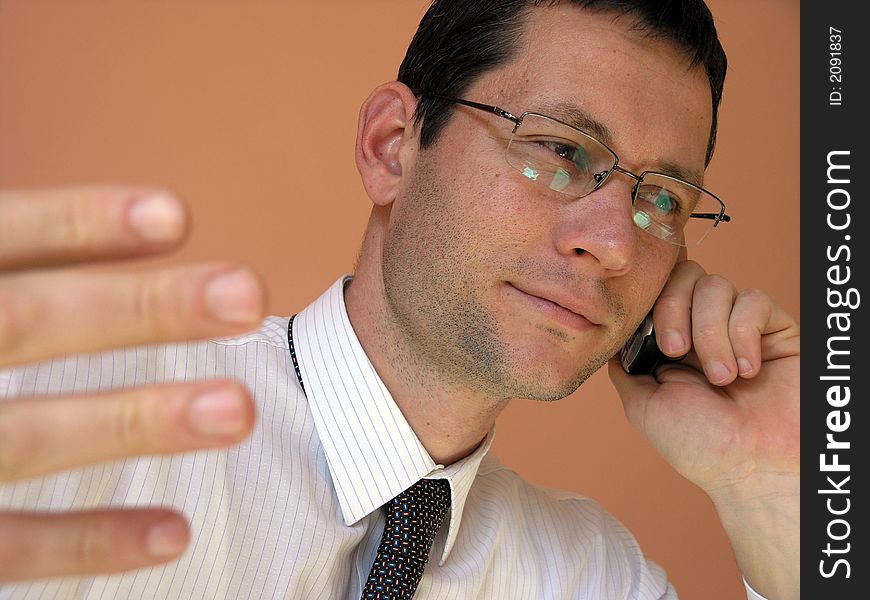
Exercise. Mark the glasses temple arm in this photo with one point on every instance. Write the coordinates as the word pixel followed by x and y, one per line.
pixel 714 216
pixel 484 107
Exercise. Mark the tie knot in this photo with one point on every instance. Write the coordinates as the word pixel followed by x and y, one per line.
pixel 415 516
pixel 427 493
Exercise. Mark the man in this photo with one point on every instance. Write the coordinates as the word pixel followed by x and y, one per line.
pixel 475 285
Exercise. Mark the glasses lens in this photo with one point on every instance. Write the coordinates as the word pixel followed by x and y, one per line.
pixel 674 210
pixel 560 157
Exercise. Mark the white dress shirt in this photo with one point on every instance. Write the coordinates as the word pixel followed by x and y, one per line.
pixel 293 512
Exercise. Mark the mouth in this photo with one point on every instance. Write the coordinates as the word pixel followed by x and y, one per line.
pixel 552 305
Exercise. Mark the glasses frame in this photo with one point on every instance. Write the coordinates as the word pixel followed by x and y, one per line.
pixel 600 178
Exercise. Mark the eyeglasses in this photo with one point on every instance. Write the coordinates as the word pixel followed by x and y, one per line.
pixel 567 160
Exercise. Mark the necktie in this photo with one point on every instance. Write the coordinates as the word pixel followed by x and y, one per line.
pixel 413 519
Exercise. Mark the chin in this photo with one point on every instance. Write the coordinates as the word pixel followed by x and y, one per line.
pixel 549 375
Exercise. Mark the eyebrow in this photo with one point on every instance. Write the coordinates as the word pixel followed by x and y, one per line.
pixel 580 119
pixel 679 172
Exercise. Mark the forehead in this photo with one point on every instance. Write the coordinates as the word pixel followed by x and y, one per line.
pixel 598 70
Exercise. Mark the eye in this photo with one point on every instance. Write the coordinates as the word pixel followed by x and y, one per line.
pixel 570 152
pixel 660 201
pixel 663 202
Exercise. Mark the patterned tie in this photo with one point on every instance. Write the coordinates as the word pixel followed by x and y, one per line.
pixel 413 519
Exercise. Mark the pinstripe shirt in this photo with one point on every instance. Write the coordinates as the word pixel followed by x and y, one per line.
pixel 293 512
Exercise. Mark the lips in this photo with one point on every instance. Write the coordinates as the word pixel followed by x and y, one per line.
pixel 558 306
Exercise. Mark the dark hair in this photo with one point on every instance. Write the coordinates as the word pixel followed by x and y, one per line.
pixel 460 40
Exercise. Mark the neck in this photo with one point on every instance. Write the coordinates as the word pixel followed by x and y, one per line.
pixel 451 421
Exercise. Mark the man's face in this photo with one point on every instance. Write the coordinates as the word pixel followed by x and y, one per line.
pixel 481 266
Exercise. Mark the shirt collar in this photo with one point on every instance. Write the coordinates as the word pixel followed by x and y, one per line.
pixel 372 452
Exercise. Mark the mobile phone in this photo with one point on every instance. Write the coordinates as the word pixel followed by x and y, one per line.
pixel 640 354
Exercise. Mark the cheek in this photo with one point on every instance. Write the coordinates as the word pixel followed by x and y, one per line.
pixel 443 223
pixel 510 211
pixel 650 274
pixel 490 216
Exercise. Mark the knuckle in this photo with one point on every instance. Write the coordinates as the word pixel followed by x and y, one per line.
pixel 147 306
pixel 12 449
pixel 133 423
pixel 715 282
pixel 10 321
pixel 743 330
pixel 10 552
pixel 705 334
pixel 93 548
pixel 73 224
pixel 7 463
pixel 689 265
pixel 753 295
pixel 671 302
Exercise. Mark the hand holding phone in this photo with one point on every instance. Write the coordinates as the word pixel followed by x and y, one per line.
pixel 641 355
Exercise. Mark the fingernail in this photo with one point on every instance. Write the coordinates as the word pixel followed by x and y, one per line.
pixel 235 297
pixel 157 218
pixel 218 413
pixel 168 537
pixel 672 342
pixel 717 372
pixel 744 366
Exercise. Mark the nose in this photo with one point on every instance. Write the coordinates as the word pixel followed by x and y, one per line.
pixel 599 228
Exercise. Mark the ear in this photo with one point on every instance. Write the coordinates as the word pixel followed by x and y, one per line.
pixel 386 140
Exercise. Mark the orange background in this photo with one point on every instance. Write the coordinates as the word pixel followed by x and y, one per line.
pixel 247 111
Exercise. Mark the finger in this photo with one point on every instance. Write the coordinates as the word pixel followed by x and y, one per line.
pixel 711 312
pixel 33 546
pixel 760 331
pixel 44 435
pixel 749 318
pixel 682 254
pixel 49 313
pixel 672 313
pixel 62 226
